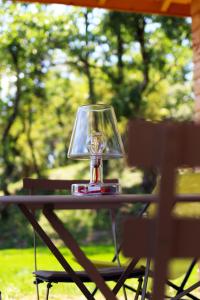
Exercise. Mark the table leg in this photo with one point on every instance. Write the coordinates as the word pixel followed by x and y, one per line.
pixel 83 260
pixel 147 269
pixel 71 243
pixel 125 274
pixel 55 251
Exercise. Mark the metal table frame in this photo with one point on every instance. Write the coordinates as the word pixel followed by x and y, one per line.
pixel 28 204
pixel 50 203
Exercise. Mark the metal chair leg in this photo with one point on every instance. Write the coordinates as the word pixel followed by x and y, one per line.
pixel 114 234
pixel 176 287
pixel 137 294
pixel 36 282
pixel 93 293
pixel 146 278
pixel 187 275
pixel 49 285
pixel 185 292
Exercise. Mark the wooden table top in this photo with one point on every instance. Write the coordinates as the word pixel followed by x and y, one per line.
pixel 75 202
pixel 86 202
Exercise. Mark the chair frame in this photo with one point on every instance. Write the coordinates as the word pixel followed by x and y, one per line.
pixel 170 145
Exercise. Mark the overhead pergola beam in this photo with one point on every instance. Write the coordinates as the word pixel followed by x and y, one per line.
pixel 180 8
pixel 167 3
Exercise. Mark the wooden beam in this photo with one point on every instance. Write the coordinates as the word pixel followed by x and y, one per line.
pixel 166 3
pixel 144 6
pixel 195 12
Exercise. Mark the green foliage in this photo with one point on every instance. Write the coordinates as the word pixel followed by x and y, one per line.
pixel 54 59
pixel 54 62
pixel 16 232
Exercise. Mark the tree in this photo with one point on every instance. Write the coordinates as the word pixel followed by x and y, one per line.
pixel 54 61
pixel 140 47
pixel 28 45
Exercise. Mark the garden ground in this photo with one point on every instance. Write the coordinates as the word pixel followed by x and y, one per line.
pixel 16 280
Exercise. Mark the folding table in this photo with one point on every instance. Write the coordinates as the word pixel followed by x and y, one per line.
pixel 48 204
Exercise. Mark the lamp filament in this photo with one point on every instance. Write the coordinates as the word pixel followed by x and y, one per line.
pixel 96 145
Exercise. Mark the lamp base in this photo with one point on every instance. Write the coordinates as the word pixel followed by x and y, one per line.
pixel 91 189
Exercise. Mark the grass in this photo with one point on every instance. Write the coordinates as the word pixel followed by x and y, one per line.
pixel 16 272
pixel 17 265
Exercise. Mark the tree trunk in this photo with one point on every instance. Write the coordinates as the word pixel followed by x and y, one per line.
pixel 31 143
pixel 140 31
pixel 120 51
pixel 8 165
pixel 150 175
pixel 92 95
pixel 87 68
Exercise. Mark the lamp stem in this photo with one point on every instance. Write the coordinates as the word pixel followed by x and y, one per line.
pixel 96 170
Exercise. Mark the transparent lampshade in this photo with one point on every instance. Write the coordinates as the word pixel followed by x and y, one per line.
pixel 95 134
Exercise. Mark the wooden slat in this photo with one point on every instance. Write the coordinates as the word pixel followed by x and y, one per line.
pixel 174 144
pixel 172 139
pixel 145 6
pixel 73 202
pixel 197 66
pixel 195 21
pixel 166 3
pixel 195 32
pixel 67 202
pixel 197 87
pixel 181 1
pixel 195 7
pixel 197 70
pixel 48 184
pixel 189 147
pixel 92 202
pixel 196 50
pixel 181 233
pixel 197 103
pixel 144 135
pixel 138 244
pixel 54 184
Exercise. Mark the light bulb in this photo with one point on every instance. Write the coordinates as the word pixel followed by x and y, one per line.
pixel 96 143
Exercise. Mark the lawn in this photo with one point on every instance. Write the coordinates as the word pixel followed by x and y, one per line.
pixel 17 266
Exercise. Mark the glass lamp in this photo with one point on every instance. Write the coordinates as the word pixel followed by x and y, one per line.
pixel 95 137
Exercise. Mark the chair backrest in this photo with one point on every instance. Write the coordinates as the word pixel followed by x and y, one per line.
pixel 167 146
pixel 40 184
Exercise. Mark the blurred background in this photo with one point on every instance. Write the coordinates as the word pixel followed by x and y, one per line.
pixel 54 58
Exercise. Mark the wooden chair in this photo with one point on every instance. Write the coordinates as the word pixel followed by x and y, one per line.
pixel 165 146
pixel 109 274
